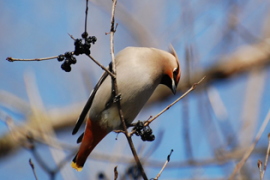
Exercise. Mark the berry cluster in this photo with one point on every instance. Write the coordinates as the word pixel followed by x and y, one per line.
pixel 144 131
pixel 80 48
pixel 69 59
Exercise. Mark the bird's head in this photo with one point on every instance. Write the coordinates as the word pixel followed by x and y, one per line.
pixel 172 71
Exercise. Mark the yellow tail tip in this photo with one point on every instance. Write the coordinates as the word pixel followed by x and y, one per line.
pixel 75 166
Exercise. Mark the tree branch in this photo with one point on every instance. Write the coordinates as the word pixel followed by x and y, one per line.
pixel 250 149
pixel 102 67
pixel 266 158
pixel 11 59
pixel 168 160
pixel 115 173
pixel 115 90
pixel 169 106
pixel 33 168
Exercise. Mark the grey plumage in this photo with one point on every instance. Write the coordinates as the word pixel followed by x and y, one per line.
pixel 139 72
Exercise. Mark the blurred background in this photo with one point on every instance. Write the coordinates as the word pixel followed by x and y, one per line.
pixel 209 130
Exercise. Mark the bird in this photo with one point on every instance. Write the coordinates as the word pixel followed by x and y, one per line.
pixel 139 70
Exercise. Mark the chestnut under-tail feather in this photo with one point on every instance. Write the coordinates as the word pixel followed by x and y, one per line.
pixel 93 134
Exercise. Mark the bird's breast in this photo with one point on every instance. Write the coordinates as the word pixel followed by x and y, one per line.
pixel 135 91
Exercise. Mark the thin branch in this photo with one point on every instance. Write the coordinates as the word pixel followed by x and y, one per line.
pixel 225 158
pixel 260 168
pixel 86 13
pixel 119 131
pixel 220 160
pixel 95 61
pixel 11 59
pixel 250 149
pixel 169 106
pixel 266 158
pixel 40 161
pixel 102 67
pixel 115 88
pixel 115 173
pixel 168 160
pixel 33 168
pixel 71 37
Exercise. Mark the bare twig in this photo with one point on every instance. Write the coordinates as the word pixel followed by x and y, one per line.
pixel 250 149
pixel 95 61
pixel 86 13
pixel 115 88
pixel 260 168
pixel 168 160
pixel 71 37
pixel 52 171
pixel 11 59
pixel 106 33
pixel 102 67
pixel 266 158
pixel 115 173
pixel 40 161
pixel 224 158
pixel 33 168
pixel 168 107
pixel 119 131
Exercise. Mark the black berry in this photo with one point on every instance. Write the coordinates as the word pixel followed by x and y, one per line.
pixel 140 125
pixel 150 138
pixel 147 131
pixel 67 61
pixel 143 137
pixel 78 42
pixel 68 54
pixel 94 39
pixel 87 51
pixel 87 45
pixel 66 67
pixel 73 60
pixel 61 57
pixel 84 35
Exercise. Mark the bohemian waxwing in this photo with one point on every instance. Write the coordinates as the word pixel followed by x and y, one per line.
pixel 139 72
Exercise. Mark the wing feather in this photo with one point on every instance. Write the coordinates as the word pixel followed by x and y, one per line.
pixel 88 104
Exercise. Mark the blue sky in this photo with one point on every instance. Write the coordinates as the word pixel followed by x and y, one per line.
pixel 35 29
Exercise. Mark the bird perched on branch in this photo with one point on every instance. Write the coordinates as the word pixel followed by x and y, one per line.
pixel 139 71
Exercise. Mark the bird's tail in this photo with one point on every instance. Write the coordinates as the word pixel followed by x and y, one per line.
pixel 93 134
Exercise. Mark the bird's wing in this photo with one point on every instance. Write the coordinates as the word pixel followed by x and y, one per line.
pixel 88 104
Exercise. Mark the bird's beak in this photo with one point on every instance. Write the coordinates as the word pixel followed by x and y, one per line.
pixel 175 81
pixel 174 87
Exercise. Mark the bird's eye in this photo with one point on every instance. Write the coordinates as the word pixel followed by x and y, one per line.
pixel 175 71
